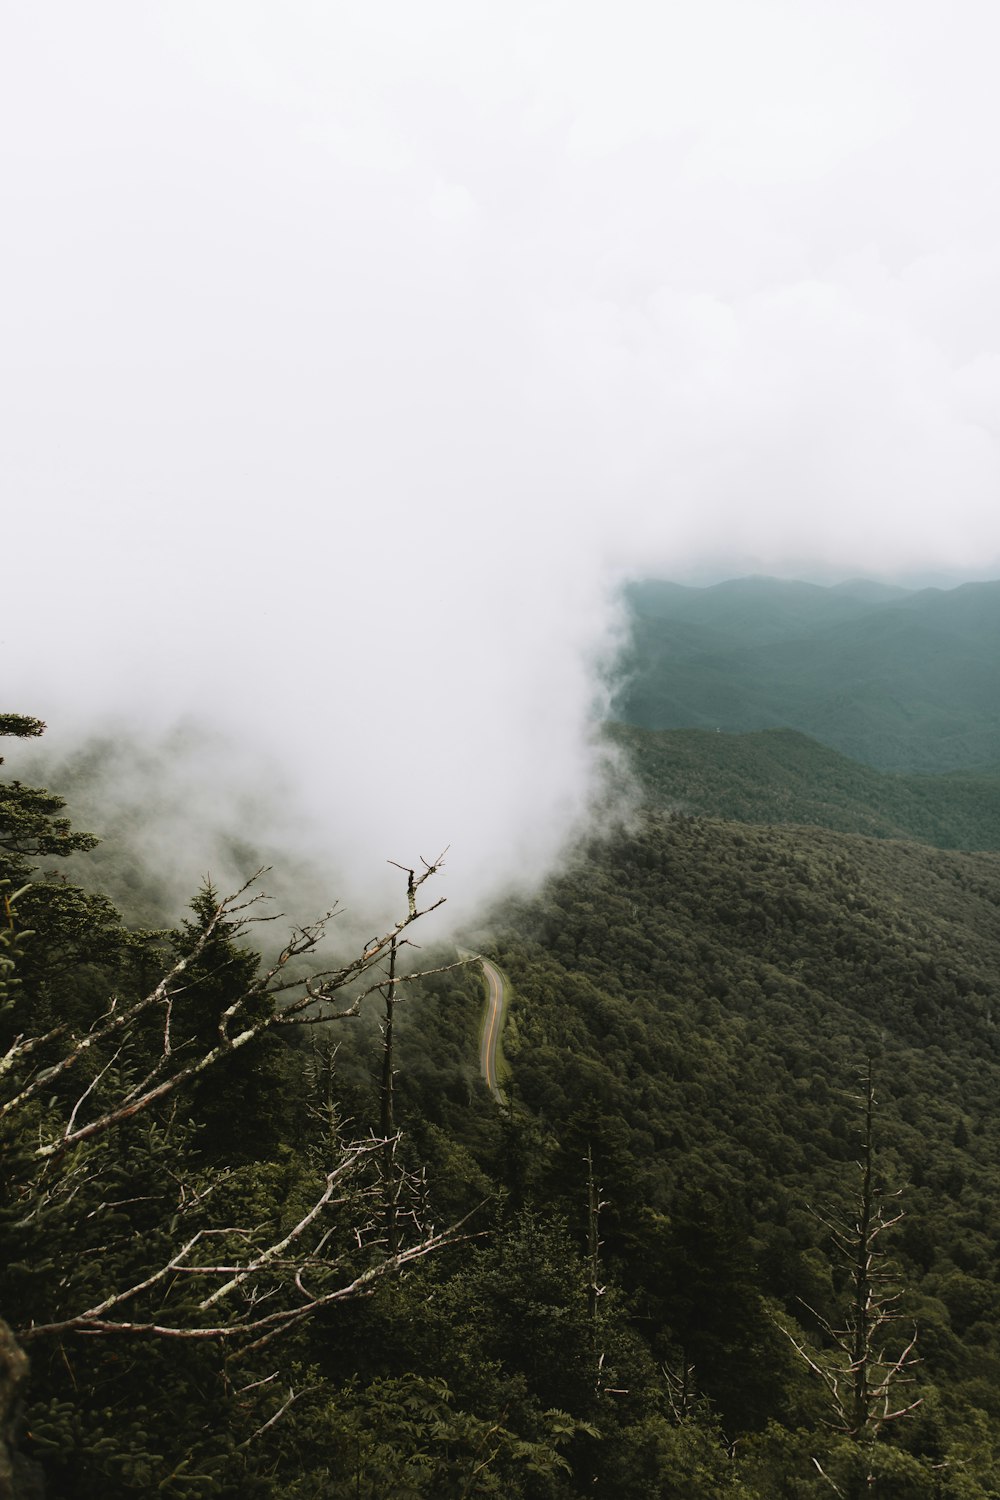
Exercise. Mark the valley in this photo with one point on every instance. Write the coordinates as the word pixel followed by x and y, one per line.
pixel 637 1192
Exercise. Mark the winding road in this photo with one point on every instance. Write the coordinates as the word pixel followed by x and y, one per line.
pixel 492 1027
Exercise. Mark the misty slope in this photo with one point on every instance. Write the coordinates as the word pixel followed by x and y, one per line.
pixel 782 776
pixel 692 1001
pixel 902 681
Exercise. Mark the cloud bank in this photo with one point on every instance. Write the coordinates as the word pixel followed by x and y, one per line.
pixel 354 355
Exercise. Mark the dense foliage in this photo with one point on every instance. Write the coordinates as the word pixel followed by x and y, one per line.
pixel 781 776
pixel 692 1004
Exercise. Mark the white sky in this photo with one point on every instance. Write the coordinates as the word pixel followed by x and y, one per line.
pixel 352 351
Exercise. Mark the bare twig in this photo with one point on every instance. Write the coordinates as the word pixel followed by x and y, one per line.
pixel 256 1281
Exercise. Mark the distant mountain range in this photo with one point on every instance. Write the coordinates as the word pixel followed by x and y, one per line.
pixel 902 680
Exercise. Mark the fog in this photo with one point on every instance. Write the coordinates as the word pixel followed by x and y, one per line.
pixel 355 354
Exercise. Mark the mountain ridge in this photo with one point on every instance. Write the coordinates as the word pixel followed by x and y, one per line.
pixel 783 776
pixel 909 683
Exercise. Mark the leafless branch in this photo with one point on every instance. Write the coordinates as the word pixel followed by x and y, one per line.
pixel 237 1023
pixel 256 1281
pixel 292 1397
pixel 94 1322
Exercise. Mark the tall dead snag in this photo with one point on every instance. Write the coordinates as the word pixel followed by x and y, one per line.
pixel 392 1180
pixel 388 1107
pixel 594 1288
pixel 868 1363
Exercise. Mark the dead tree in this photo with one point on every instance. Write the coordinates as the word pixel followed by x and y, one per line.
pixel 867 1364
pixel 251 1282
pixel 387 1102
pixel 291 1002
pixel 595 1290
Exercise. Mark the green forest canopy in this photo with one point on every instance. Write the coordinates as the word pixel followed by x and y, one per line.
pixel 693 1000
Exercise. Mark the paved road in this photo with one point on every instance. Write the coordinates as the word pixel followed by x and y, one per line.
pixel 492 1027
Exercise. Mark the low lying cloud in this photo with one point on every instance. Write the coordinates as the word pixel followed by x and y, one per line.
pixel 356 354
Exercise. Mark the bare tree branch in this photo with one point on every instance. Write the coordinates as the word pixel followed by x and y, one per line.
pixel 236 1027
pixel 256 1281
pixel 279 1321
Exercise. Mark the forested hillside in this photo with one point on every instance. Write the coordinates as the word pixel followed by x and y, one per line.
pixel 905 681
pixel 242 1264
pixel 781 776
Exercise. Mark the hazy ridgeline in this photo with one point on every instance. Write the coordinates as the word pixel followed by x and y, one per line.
pixel 901 680
pixel 896 681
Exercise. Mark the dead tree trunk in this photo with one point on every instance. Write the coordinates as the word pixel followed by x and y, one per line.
pixel 865 1309
pixel 865 1367
pixel 595 1291
pixel 388 1110
pixel 20 1479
